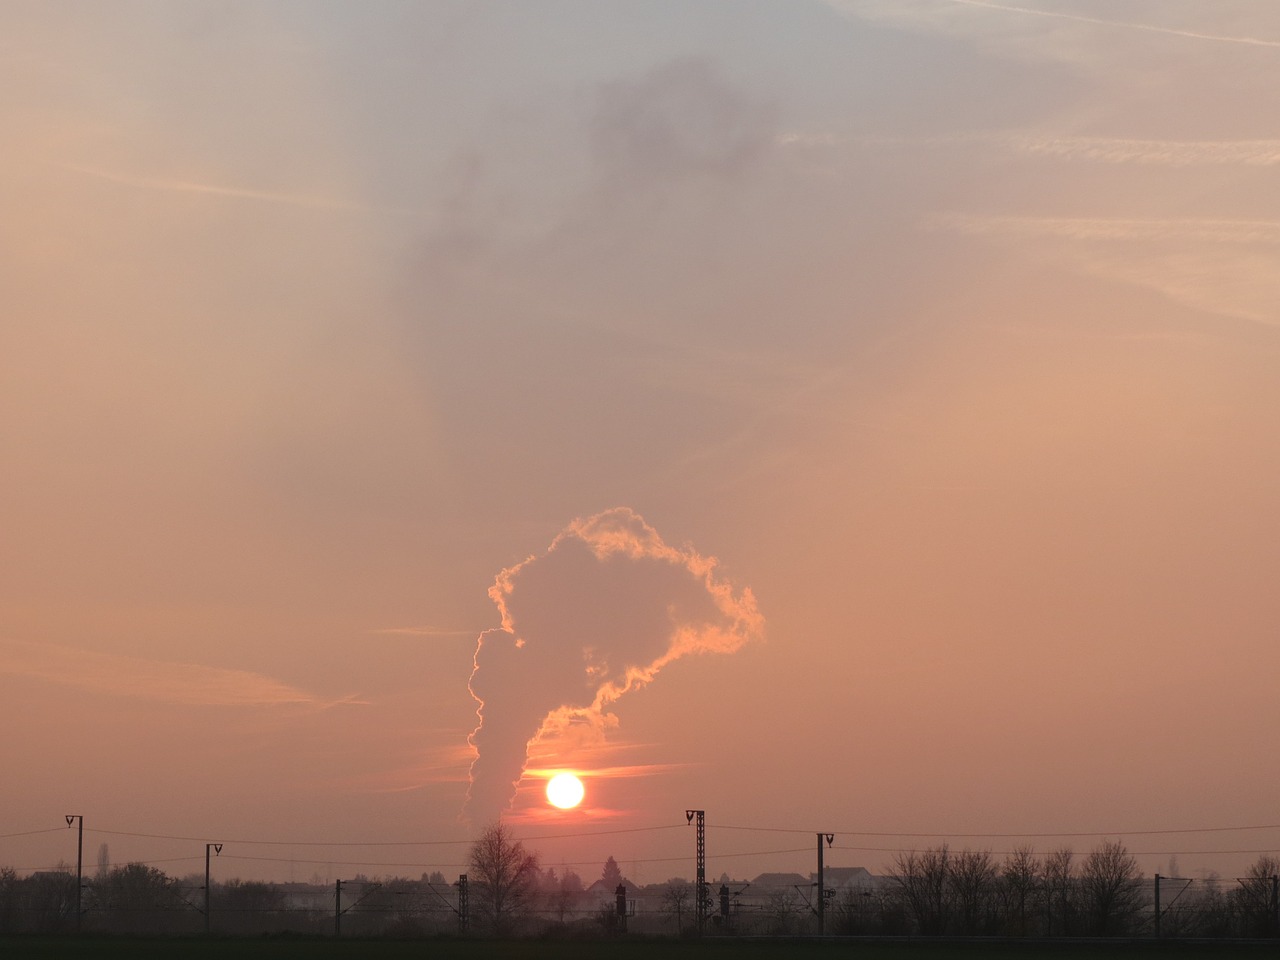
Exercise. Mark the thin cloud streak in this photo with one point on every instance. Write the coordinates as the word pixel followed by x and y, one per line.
pixel 187 684
pixel 423 632
pixel 232 193
pixel 1113 150
pixel 1146 27
pixel 1175 153
pixel 1199 230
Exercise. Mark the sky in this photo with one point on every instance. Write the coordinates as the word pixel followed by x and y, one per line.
pixel 853 416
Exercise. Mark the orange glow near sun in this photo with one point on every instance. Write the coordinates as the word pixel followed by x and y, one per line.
pixel 565 791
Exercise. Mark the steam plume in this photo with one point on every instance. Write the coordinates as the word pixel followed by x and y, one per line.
pixel 600 613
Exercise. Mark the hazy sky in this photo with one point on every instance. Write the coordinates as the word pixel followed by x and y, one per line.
pixel 949 329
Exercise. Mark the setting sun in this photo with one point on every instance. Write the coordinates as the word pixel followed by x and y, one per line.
pixel 565 791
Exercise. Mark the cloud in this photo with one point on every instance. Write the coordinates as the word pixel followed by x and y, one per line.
pixel 1109 150
pixel 1175 153
pixel 1219 267
pixel 600 613
pixel 179 683
pixel 228 192
pixel 938 13
pixel 1196 229
pixel 1123 24
pixel 681 120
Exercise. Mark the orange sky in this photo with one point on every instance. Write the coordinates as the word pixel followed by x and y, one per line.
pixel 948 328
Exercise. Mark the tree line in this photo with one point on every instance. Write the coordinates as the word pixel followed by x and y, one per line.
pixel 941 892
pixel 933 892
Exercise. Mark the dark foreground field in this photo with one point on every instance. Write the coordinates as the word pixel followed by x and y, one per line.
pixel 297 948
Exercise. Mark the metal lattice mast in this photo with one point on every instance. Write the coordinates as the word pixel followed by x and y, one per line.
pixel 701 895
pixel 462 903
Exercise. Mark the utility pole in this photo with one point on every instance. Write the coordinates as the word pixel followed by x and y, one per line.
pixel 217 849
pixel 79 864
pixel 337 910
pixel 822 888
pixel 1157 906
pixel 1275 901
pixel 700 894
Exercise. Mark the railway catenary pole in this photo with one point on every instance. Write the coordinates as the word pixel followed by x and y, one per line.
pixel 217 849
pixel 830 838
pixel 700 893
pixel 79 864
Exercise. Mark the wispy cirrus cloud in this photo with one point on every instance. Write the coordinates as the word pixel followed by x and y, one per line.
pixel 1122 24
pixel 224 191
pixel 1192 229
pixel 187 684
pixel 1175 153
pixel 1217 266
pixel 1105 150
pixel 942 13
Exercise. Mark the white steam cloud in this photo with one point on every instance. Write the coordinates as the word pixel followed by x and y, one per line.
pixel 600 613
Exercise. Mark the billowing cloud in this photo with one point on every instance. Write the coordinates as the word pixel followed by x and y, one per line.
pixel 165 681
pixel 600 613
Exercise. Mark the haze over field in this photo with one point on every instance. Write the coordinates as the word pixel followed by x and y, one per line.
pixel 950 329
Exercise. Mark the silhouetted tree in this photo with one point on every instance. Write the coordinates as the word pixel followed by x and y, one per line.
pixel 971 889
pixel 677 900
pixel 1058 872
pixel 10 886
pixel 136 898
pixel 783 910
pixel 1253 900
pixel 611 875
pixel 921 881
pixel 1111 890
pixel 504 879
pixel 1020 877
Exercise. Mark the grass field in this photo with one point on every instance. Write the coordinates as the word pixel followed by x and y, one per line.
pixel 298 948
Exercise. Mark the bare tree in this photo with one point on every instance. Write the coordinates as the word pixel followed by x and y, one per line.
pixel 921 881
pixel 1021 875
pixel 783 909
pixel 1111 889
pixel 971 890
pixel 1059 892
pixel 504 878
pixel 677 899
pixel 1253 901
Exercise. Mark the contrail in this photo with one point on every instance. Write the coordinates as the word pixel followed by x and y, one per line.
pixel 1147 27
pixel 1117 228
pixel 599 614
pixel 233 193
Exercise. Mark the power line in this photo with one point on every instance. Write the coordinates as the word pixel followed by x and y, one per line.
pixel 29 833
pixel 372 843
pixel 291 843
pixel 1007 836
